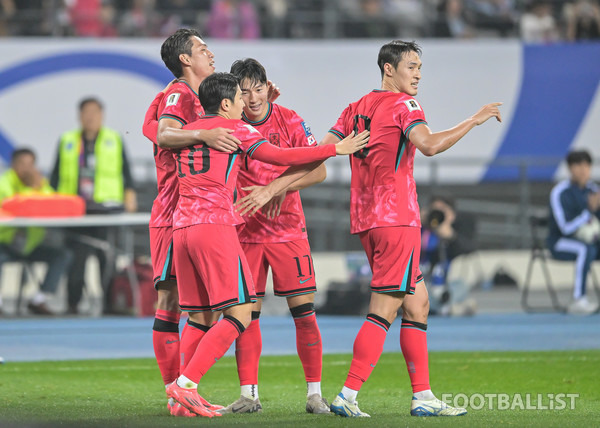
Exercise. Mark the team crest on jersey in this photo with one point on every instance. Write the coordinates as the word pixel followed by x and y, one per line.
pixel 274 139
pixel 251 128
pixel 173 98
pixel 412 105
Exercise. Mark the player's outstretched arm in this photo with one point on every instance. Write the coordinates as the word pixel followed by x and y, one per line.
pixel 431 143
pixel 261 195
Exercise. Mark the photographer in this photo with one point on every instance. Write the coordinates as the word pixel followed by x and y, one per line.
pixel 444 236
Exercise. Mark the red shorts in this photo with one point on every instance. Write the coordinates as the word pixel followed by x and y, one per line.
pixel 161 252
pixel 394 254
pixel 213 271
pixel 291 264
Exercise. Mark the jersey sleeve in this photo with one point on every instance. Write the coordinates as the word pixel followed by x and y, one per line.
pixel 340 129
pixel 300 134
pixel 178 106
pixel 253 143
pixel 409 114
pixel 150 127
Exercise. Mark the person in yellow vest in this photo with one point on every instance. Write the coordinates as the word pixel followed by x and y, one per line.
pixel 28 244
pixel 91 162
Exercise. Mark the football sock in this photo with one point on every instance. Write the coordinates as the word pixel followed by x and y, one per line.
pixel 250 391
pixel 165 339
pixel 187 383
pixel 413 342
pixel 193 333
pixel 308 341
pixel 424 395
pixel 349 394
pixel 368 347
pixel 313 388
pixel 213 346
pixel 247 352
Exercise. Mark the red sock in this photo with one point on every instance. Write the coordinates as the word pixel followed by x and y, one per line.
pixel 309 345
pixel 190 338
pixel 213 346
pixel 248 348
pixel 368 347
pixel 165 339
pixel 413 342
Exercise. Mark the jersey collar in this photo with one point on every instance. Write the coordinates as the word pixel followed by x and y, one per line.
pixel 260 121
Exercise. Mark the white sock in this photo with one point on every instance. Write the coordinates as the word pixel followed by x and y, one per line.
pixel 349 394
pixel 313 388
pixel 424 395
pixel 187 383
pixel 250 391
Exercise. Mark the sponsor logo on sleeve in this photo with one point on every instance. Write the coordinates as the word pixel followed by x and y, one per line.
pixel 310 138
pixel 172 100
pixel 412 105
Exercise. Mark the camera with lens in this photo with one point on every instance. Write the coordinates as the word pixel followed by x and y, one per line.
pixel 435 218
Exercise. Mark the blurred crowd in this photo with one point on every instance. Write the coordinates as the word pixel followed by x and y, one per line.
pixel 535 21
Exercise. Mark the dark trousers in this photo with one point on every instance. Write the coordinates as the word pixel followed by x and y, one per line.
pixel 85 242
pixel 58 259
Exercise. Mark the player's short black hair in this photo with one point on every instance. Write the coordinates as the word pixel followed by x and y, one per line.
pixel 250 69
pixel 215 88
pixel 176 44
pixel 88 100
pixel 392 53
pixel 17 153
pixel 579 156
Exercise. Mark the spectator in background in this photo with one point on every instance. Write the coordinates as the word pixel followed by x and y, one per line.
pixel 27 244
pixel 92 18
pixel 451 20
pixel 139 20
pixel 498 15
pixel 367 19
pixel 233 19
pixel 537 23
pixel 7 11
pixel 583 20
pixel 444 236
pixel 182 14
pixel 91 162
pixel 574 229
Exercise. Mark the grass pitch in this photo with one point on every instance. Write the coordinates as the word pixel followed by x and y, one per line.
pixel 129 392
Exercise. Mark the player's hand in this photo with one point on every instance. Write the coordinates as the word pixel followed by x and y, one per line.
pixel 273 208
pixel 594 201
pixel 253 201
pixel 352 143
pixel 273 91
pixel 164 91
pixel 486 112
pixel 221 139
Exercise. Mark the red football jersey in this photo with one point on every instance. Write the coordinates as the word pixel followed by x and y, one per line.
pixel 207 177
pixel 382 188
pixel 182 104
pixel 283 128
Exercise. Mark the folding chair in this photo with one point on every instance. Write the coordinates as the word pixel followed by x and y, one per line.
pixel 538 225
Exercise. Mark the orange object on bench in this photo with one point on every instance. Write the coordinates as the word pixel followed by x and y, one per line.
pixel 44 205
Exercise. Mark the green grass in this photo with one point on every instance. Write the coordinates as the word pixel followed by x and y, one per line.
pixel 129 392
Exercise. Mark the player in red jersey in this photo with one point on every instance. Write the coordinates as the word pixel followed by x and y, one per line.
pixel 206 247
pixel 190 61
pixel 385 214
pixel 280 243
